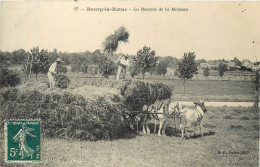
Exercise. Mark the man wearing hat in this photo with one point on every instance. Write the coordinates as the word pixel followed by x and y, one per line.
pixel 122 63
pixel 52 72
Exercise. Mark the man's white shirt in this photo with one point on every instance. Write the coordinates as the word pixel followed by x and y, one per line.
pixel 53 67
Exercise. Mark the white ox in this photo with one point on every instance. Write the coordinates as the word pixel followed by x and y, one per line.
pixel 163 110
pixel 193 117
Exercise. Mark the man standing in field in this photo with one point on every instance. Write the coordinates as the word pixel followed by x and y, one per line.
pixel 52 72
pixel 122 63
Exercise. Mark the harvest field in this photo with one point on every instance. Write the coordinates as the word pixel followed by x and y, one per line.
pixel 231 138
pixel 209 90
pixel 231 134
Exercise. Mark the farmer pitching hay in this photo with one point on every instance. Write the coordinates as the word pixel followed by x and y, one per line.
pixel 52 72
pixel 122 62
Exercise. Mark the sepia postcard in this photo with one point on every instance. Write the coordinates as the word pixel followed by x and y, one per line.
pixel 129 83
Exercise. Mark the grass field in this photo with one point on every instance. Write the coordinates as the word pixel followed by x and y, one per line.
pixel 231 135
pixel 213 90
pixel 231 138
pixel 209 90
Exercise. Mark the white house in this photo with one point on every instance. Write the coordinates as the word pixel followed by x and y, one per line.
pixel 204 65
pixel 231 64
pixel 247 64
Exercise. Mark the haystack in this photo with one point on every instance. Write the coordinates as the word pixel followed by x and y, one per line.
pixel 138 93
pixel 86 113
pixel 111 42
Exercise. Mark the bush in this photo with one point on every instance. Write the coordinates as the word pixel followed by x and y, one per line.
pixel 176 73
pixel 92 70
pixel 206 72
pixel 106 67
pixel 8 77
pixel 133 69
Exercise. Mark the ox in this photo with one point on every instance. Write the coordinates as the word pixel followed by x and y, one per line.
pixel 162 110
pixel 193 117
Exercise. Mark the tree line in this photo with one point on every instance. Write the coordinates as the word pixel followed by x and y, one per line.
pixel 86 62
pixel 145 61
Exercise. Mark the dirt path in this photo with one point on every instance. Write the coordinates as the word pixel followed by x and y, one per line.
pixel 220 104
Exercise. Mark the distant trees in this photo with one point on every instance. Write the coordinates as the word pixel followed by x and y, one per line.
pixel 145 60
pixel 153 70
pixel 133 69
pixel 77 62
pixel 187 67
pixel 172 62
pixel 176 73
pixel 222 68
pixel 7 77
pixel 52 56
pixel 95 57
pixel 162 68
pixel 15 57
pixel 81 61
pixel 92 69
pixel 84 68
pixel 202 61
pixel 106 66
pixel 41 62
pixel 61 69
pixel 92 63
pixel 206 72
pixel 65 57
pixel 237 62
pixel 37 62
pixel 18 56
pixel 7 57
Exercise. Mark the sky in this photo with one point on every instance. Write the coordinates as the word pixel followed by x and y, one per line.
pixel 213 30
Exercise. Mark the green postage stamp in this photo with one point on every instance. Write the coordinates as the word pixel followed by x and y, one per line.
pixel 23 141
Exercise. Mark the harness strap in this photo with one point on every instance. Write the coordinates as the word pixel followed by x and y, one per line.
pixel 151 112
pixel 200 115
pixel 170 115
pixel 173 108
pixel 160 106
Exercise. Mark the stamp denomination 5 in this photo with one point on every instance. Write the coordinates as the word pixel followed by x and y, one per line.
pixel 23 141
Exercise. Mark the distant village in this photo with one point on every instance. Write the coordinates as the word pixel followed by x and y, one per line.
pixel 236 70
pixel 246 64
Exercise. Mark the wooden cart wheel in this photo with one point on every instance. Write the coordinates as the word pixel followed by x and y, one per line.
pixel 130 120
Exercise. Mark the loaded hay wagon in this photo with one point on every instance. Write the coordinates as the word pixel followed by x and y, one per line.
pixel 137 94
pixel 161 109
